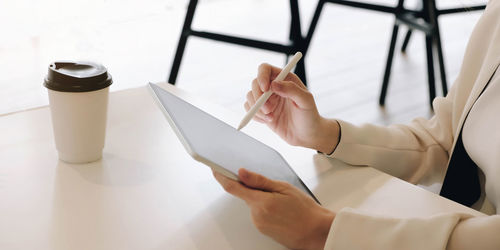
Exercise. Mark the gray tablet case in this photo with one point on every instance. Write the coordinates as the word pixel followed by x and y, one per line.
pixel 220 146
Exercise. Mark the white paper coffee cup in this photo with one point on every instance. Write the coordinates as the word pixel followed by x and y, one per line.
pixel 78 97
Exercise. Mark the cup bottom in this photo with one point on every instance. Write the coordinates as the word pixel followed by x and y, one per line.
pixel 80 158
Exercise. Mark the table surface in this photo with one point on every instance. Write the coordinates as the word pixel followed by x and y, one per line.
pixel 148 193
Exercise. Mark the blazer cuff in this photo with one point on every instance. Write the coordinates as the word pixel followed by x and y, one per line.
pixel 353 230
pixel 346 130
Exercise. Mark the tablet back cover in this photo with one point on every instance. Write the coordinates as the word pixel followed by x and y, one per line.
pixel 223 145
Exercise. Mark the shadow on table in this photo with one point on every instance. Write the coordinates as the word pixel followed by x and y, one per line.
pixel 224 224
pixel 227 223
pixel 84 213
pixel 113 170
pixel 340 185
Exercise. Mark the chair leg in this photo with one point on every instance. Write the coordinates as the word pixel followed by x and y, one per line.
pixel 186 28
pixel 297 39
pixel 442 69
pixel 387 73
pixel 314 22
pixel 430 68
pixel 300 71
pixel 419 6
pixel 406 40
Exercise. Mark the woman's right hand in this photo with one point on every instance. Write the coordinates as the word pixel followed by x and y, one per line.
pixel 291 111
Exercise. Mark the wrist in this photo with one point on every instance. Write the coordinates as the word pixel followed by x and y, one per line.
pixel 321 231
pixel 328 136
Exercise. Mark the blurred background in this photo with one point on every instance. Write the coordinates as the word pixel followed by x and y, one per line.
pixel 136 41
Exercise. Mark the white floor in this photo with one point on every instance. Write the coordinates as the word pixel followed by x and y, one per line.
pixel 136 40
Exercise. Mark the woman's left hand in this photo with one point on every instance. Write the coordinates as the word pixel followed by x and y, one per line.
pixel 281 211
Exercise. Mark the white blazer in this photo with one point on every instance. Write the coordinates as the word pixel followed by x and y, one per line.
pixel 419 153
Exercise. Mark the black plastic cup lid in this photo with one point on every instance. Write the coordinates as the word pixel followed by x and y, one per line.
pixel 69 76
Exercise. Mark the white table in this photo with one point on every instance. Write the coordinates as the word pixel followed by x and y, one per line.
pixel 147 192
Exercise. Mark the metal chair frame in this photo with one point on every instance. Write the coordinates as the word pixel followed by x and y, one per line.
pixel 298 42
pixel 424 20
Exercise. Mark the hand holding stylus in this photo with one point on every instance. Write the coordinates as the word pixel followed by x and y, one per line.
pixel 263 98
pixel 291 111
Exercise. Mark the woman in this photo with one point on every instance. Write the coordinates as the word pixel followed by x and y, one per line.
pixel 421 150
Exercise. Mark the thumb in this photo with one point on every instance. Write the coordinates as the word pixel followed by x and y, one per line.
pixel 291 90
pixel 257 181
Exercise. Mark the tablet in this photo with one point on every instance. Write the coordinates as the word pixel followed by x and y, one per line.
pixel 219 145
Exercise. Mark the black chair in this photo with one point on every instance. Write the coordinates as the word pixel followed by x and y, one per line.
pixel 297 41
pixel 424 19
pixel 429 15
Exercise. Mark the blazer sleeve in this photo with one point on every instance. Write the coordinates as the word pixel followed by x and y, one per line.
pixel 419 152
pixel 416 152
pixel 452 231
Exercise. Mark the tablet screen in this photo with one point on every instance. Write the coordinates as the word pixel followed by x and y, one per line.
pixel 223 145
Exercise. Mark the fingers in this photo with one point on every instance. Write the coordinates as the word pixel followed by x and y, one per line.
pixel 270 104
pixel 256 92
pixel 258 181
pixel 256 117
pixel 235 188
pixel 267 73
pixel 260 114
pixel 264 76
pixel 288 89
pixel 262 83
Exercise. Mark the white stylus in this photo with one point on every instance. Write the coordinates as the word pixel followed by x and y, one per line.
pixel 263 98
